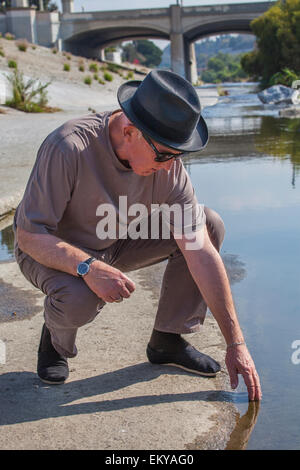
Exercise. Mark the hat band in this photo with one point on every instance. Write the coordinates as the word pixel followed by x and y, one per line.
pixel 158 127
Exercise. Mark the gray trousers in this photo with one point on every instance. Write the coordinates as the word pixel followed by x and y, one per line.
pixel 70 304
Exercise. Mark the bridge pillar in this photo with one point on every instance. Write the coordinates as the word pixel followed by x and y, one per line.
pixel 177 41
pixel 191 72
pixel 67 6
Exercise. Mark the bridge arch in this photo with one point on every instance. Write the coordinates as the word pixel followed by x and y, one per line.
pixel 89 42
pixel 199 31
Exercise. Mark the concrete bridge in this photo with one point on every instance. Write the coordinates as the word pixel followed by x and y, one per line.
pixel 87 33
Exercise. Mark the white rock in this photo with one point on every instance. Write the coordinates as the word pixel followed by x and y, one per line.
pixel 279 94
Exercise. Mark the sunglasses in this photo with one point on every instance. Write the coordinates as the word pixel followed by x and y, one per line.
pixel 162 156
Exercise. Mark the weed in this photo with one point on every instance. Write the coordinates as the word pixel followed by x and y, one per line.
pixel 9 36
pixel 12 64
pixel 94 68
pixel 88 80
pixel 113 68
pixel 81 68
pixel 130 75
pixel 22 45
pixel 108 77
pixel 67 68
pixel 29 96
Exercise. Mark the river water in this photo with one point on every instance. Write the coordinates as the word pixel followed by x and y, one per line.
pixel 250 174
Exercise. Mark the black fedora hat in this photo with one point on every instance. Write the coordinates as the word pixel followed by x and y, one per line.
pixel 166 107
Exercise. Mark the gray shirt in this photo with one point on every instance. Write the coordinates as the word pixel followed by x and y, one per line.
pixel 77 171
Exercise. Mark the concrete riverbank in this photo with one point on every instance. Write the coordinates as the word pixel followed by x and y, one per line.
pixel 114 399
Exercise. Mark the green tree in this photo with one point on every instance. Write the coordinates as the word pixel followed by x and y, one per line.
pixel 145 51
pixel 224 68
pixel 278 42
pixel 150 51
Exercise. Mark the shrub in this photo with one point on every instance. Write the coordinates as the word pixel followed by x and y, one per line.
pixel 12 64
pixel 81 68
pixel 113 68
pixel 22 45
pixel 102 82
pixel 33 47
pixel 69 57
pixel 285 77
pixel 30 96
pixel 108 77
pixel 54 50
pixel 2 53
pixel 130 75
pixel 67 68
pixel 93 68
pixel 88 80
pixel 9 36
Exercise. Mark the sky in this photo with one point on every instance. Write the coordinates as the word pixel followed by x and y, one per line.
pixel 92 5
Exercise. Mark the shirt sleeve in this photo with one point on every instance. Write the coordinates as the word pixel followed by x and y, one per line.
pixel 182 212
pixel 48 190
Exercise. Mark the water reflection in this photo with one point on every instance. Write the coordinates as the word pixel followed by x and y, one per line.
pixel 275 137
pixel 6 243
pixel 234 267
pixel 237 125
pixel 244 426
pixel 280 138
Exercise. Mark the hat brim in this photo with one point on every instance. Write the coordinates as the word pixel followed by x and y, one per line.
pixel 197 141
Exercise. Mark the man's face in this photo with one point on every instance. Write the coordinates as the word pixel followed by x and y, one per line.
pixel 141 156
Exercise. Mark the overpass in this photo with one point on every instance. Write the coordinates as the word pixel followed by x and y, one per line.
pixel 88 33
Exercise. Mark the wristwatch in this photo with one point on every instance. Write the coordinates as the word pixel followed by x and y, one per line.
pixel 84 267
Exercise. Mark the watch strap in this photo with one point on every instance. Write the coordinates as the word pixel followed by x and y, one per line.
pixel 88 262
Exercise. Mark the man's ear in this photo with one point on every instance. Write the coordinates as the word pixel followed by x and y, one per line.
pixel 130 132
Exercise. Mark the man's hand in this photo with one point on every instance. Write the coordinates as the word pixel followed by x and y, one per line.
pixel 239 361
pixel 108 283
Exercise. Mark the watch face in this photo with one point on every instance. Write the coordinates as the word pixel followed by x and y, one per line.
pixel 83 268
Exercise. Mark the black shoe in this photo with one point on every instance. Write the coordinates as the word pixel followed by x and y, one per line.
pixel 187 358
pixel 52 368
